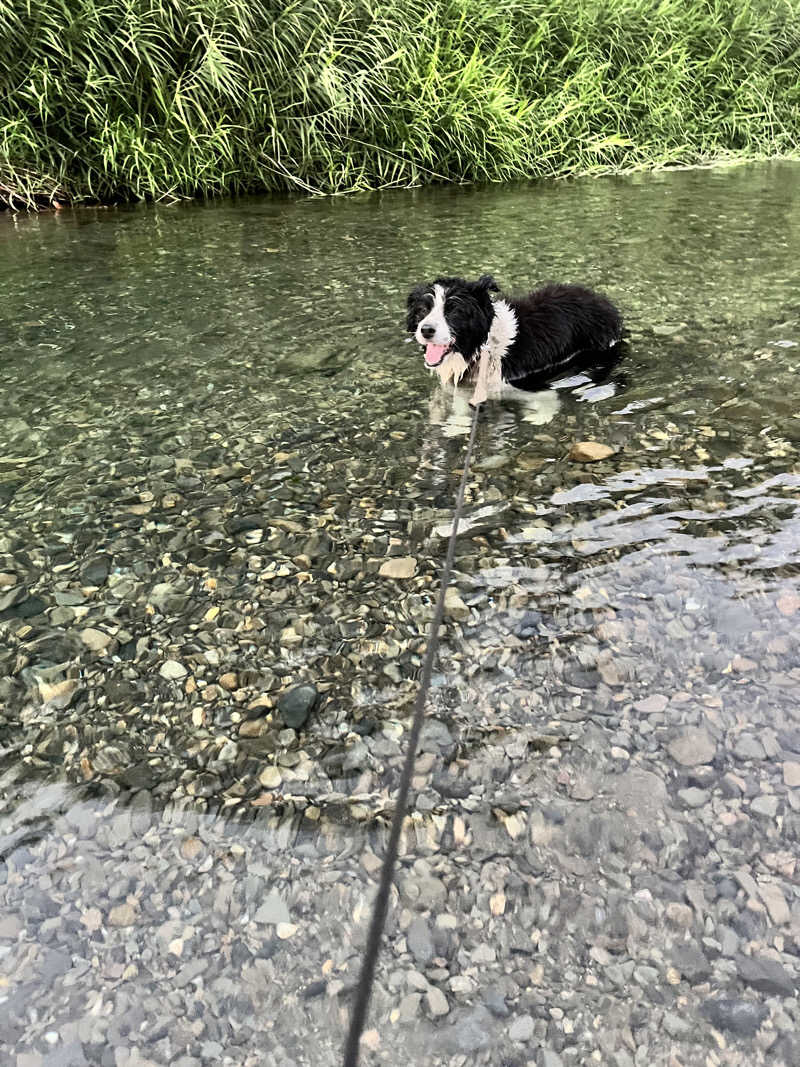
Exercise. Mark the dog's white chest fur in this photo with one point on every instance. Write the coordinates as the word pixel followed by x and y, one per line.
pixel 490 361
pixel 503 329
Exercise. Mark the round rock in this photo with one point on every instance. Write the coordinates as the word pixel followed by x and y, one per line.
pixel 522 1029
pixel 172 670
pixel 420 942
pixel 694 797
pixel 692 747
pixel 295 705
pixel 589 452
pixel 436 1002
pixel 96 640
pixel 742 1017
pixel 96 570
pixel 399 567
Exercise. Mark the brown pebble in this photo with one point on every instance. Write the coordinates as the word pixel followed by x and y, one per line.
pixel 252 728
pixel 191 848
pixel 589 451
pixel 399 567
pixel 122 915
pixel 788 604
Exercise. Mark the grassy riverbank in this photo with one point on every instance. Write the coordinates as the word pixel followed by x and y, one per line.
pixel 150 98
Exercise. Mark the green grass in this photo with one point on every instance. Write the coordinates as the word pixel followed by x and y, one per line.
pixel 126 99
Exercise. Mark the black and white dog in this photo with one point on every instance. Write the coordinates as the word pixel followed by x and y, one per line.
pixel 526 339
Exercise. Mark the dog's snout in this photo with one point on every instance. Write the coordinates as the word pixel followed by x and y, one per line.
pixel 427 332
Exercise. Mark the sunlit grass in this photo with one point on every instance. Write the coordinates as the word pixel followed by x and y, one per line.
pixel 167 98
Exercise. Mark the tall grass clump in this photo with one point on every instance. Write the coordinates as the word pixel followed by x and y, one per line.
pixel 114 99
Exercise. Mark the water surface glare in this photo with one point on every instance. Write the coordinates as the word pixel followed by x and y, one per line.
pixel 212 439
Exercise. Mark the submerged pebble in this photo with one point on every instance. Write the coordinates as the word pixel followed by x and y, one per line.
pixel 296 705
pixel 589 451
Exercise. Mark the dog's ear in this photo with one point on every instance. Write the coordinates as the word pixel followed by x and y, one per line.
pixel 487 282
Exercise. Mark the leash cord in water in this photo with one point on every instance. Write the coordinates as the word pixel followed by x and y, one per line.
pixel 366 978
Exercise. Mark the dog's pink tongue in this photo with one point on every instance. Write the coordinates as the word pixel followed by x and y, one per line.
pixel 434 354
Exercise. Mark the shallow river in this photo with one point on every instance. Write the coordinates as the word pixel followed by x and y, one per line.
pixel 212 438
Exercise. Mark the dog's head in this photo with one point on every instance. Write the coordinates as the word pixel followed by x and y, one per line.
pixel 451 315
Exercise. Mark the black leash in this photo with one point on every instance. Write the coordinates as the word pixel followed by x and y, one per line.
pixel 367 976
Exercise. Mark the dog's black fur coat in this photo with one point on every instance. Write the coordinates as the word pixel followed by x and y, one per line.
pixel 557 325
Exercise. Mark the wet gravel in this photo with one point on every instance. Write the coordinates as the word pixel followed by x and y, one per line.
pixel 215 589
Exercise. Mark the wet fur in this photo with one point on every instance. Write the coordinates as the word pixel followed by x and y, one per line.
pixel 556 326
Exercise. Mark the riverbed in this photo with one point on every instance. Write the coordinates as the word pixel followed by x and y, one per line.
pixel 213 440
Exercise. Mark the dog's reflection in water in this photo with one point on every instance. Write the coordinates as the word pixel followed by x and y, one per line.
pixel 450 407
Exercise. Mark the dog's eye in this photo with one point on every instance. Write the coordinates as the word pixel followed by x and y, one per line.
pixel 417 312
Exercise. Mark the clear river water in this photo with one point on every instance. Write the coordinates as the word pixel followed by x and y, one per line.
pixel 213 438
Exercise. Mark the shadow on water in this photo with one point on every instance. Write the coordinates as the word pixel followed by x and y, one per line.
pixel 213 440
